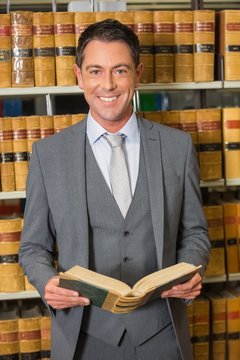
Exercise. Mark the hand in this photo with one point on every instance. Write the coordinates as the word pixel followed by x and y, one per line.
pixel 188 290
pixel 60 298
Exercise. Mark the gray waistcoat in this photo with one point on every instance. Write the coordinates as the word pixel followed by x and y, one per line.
pixel 124 249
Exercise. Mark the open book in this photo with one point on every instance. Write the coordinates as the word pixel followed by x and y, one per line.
pixel 116 296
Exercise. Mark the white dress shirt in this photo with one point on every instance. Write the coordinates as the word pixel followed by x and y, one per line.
pixel 102 150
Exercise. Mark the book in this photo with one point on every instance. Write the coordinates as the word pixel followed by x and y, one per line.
pixel 231 236
pixel 82 20
pixel 163 25
pixel 6 155
pixel 9 344
pixel 201 328
pixel 46 126
pixel 116 296
pixel 143 27
pixel 22 49
pixel 65 48
pixel 33 132
pixel 44 48
pixel 204 41
pixel 5 51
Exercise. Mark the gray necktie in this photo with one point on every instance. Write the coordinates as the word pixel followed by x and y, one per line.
pixel 119 177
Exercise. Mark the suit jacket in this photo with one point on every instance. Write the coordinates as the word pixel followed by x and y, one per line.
pixel 56 210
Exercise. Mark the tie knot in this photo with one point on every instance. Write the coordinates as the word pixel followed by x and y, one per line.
pixel 114 140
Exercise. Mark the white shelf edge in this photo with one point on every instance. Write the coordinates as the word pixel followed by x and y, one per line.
pixel 40 90
pixel 231 84
pixel 232 182
pixel 214 85
pixel 212 183
pixel 12 195
pixel 234 276
pixel 214 279
pixel 19 295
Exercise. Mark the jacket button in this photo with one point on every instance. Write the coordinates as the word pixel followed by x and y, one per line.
pixel 127 259
pixel 126 233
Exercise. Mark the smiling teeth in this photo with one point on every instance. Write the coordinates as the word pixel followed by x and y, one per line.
pixel 108 99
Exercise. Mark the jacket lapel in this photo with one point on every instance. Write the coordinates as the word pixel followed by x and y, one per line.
pixel 152 152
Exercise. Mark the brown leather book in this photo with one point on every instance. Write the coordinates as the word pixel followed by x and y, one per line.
pixel 183 40
pixel 201 328
pixel 163 31
pixel 188 123
pixel 61 122
pixel 33 132
pixel 11 274
pixel 82 20
pixel 65 48
pixel 9 332
pixel 143 27
pixel 125 17
pixel 5 50
pixel 46 126
pixel 45 334
pixel 229 34
pixel 75 118
pixel 171 118
pixel 210 143
pixel 22 49
pixel 44 48
pixel 214 216
pixel 6 155
pixel 204 45
pixel 20 151
pixel 231 142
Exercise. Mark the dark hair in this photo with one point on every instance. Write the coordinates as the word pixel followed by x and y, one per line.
pixel 108 30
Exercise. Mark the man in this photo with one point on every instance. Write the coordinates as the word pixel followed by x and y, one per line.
pixel 71 201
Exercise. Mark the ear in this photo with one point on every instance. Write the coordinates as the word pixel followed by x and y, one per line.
pixel 139 72
pixel 78 74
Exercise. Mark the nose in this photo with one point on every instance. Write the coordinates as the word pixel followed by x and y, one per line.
pixel 109 82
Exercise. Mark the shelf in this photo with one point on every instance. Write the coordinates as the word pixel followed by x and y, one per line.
pixel 12 195
pixel 213 183
pixel 19 295
pixel 234 277
pixel 40 91
pixel 213 85
pixel 231 84
pixel 215 279
pixel 232 182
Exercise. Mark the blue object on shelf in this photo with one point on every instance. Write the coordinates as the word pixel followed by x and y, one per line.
pixel 12 107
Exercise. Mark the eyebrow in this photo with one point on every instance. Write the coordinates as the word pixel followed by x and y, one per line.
pixel 100 67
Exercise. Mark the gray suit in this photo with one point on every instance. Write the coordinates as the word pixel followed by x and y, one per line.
pixel 57 209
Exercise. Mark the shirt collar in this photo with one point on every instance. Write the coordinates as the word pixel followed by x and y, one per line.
pixel 95 130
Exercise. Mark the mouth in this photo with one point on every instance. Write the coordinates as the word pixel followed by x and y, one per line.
pixel 109 99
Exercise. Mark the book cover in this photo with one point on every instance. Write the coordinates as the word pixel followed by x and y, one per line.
pixel 209 143
pixel 201 327
pixel 231 236
pixel 33 132
pixel 115 296
pixel 22 49
pixel 5 50
pixel 44 49
pixel 61 122
pixel 65 48
pixel 46 126
pixel 214 217
pixel 183 46
pixel 163 31
pixel 143 27
pixel 82 19
pixel 6 155
pixel 9 344
pixel 204 45
pixel 231 142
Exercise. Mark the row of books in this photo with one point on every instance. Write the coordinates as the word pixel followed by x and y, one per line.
pixel 40 48
pixel 214 323
pixel 17 134
pixel 25 331
pixel 215 133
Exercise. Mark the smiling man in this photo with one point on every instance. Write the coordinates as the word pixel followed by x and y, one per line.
pixel 75 199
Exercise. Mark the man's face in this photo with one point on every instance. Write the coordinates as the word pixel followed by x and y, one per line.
pixel 108 77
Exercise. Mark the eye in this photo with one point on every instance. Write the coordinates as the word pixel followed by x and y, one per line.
pixel 121 71
pixel 94 72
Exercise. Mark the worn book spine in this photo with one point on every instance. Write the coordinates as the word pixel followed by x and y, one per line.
pixel 190 321
pixel 30 333
pixel 155 116
pixel 188 123
pixel 204 45
pixel 46 126
pixel 44 48
pixel 75 118
pixel 20 151
pixel 33 132
pixel 5 50
pixel 82 20
pixel 45 335
pixel 163 31
pixel 183 45
pixel 210 143
pixel 218 326
pixel 233 306
pixel 103 15
pixel 143 27
pixel 231 237
pixel 22 49
pixel 231 142
pixel 171 118
pixel 9 344
pixel 201 328
pixel 65 48
pixel 6 155
pixel 214 216
pixel 229 43
pixel 11 274
pixel 61 122
pixel 125 17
